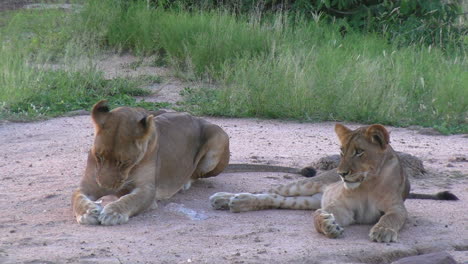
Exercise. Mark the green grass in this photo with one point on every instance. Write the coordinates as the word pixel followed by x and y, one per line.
pixel 357 79
pixel 46 71
pixel 271 66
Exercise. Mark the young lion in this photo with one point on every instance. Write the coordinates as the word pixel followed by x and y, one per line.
pixel 140 158
pixel 372 189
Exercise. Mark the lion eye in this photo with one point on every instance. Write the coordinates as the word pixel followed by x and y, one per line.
pixel 359 152
pixel 99 158
pixel 123 164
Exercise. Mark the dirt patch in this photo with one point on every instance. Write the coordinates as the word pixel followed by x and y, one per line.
pixel 42 162
pixel 17 4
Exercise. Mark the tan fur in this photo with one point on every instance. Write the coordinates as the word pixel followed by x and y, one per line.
pixel 372 189
pixel 141 158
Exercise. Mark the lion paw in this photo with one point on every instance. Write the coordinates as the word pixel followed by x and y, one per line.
pixel 328 225
pixel 383 234
pixel 109 216
pixel 91 216
pixel 220 200
pixel 243 202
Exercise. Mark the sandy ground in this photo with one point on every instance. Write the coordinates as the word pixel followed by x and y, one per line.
pixel 42 162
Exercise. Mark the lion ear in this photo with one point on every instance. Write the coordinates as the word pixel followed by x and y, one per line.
pixel 100 112
pixel 377 134
pixel 342 132
pixel 147 125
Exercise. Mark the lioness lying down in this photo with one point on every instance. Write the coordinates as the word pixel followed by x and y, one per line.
pixel 369 186
pixel 141 158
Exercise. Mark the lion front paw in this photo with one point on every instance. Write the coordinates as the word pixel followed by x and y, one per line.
pixel 91 216
pixel 327 224
pixel 220 200
pixel 111 216
pixel 383 234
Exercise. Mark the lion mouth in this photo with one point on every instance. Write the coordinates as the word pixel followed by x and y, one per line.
pixel 355 178
pixel 353 181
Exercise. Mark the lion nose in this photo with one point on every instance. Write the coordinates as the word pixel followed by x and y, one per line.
pixel 343 173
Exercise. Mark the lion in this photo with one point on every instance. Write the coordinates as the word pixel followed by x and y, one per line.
pixel 369 186
pixel 142 157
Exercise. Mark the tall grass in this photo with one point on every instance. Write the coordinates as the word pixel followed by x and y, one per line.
pixel 45 69
pixel 275 67
pixel 330 83
pixel 198 41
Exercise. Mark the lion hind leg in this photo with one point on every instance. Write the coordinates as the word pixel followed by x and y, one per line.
pixel 243 202
pixel 301 202
pixel 213 156
pixel 220 200
pixel 301 188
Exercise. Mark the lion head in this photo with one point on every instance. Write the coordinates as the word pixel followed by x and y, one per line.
pixel 121 140
pixel 362 153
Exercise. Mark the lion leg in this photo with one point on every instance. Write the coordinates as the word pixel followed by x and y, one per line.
pixel 331 219
pixel 300 188
pixel 307 187
pixel 213 156
pixel 334 214
pixel 86 211
pixel 119 212
pixel 243 202
pixel 386 229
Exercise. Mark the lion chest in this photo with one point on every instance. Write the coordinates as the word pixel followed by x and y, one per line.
pixel 365 211
pixel 359 204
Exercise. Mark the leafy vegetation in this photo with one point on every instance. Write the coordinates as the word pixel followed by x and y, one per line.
pixel 431 22
pixel 263 64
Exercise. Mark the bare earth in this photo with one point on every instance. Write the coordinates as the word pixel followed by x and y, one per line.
pixel 42 162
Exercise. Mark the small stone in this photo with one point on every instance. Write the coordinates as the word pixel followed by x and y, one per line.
pixel 431 258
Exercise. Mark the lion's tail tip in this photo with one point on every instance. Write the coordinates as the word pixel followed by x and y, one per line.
pixel 308 172
pixel 446 195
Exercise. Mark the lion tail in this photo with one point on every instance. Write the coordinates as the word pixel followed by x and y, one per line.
pixel 445 195
pixel 307 171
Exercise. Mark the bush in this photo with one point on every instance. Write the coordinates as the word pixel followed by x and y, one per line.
pixel 428 22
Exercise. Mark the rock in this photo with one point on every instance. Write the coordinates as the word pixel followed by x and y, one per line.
pixel 458 159
pixel 327 162
pixel 412 165
pixel 429 132
pixel 441 257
